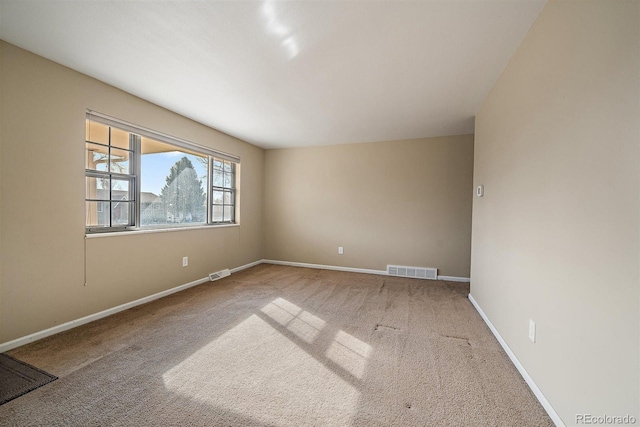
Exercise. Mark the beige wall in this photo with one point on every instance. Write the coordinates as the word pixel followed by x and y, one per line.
pixel 401 202
pixel 42 206
pixel 556 236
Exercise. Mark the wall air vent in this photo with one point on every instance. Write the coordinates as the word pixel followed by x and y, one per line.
pixel 219 274
pixel 414 272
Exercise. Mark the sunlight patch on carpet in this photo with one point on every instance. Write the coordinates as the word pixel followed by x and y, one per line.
pixel 254 370
pixel 350 353
pixel 303 324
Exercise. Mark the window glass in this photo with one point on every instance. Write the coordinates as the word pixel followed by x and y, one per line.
pixel 96 216
pixel 97 132
pixel 120 161
pixel 173 185
pixel 223 190
pixel 97 157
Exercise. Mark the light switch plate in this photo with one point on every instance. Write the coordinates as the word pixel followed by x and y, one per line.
pixel 532 330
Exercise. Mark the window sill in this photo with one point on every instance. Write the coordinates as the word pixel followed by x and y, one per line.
pixel 157 230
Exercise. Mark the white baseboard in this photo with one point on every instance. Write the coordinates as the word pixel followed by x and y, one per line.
pixel 90 318
pixel 455 279
pixel 326 267
pixel 353 270
pixel 532 385
pixel 244 267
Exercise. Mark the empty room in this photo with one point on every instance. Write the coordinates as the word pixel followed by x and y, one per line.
pixel 320 213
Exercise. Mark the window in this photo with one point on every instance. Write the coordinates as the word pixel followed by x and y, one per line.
pixel 140 179
pixel 110 176
pixel 223 191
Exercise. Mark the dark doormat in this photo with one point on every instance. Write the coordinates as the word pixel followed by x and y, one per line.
pixel 18 378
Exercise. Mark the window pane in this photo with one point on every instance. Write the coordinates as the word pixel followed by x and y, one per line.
pixel 120 161
pixel 217 164
pixel 120 189
pixel 152 211
pixel 227 180
pixel 227 198
pixel 216 214
pixel 173 184
pixel 217 178
pixel 97 157
pixel 97 132
pixel 228 213
pixel 97 214
pixel 120 213
pixel 227 166
pixel 97 188
pixel 119 138
pixel 185 209
pixel 217 197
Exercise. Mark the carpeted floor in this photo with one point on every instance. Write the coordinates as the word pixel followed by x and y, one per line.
pixel 283 346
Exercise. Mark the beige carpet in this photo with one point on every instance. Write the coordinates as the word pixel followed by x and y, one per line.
pixel 283 346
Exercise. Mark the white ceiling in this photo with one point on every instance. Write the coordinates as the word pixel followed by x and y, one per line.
pixel 286 74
